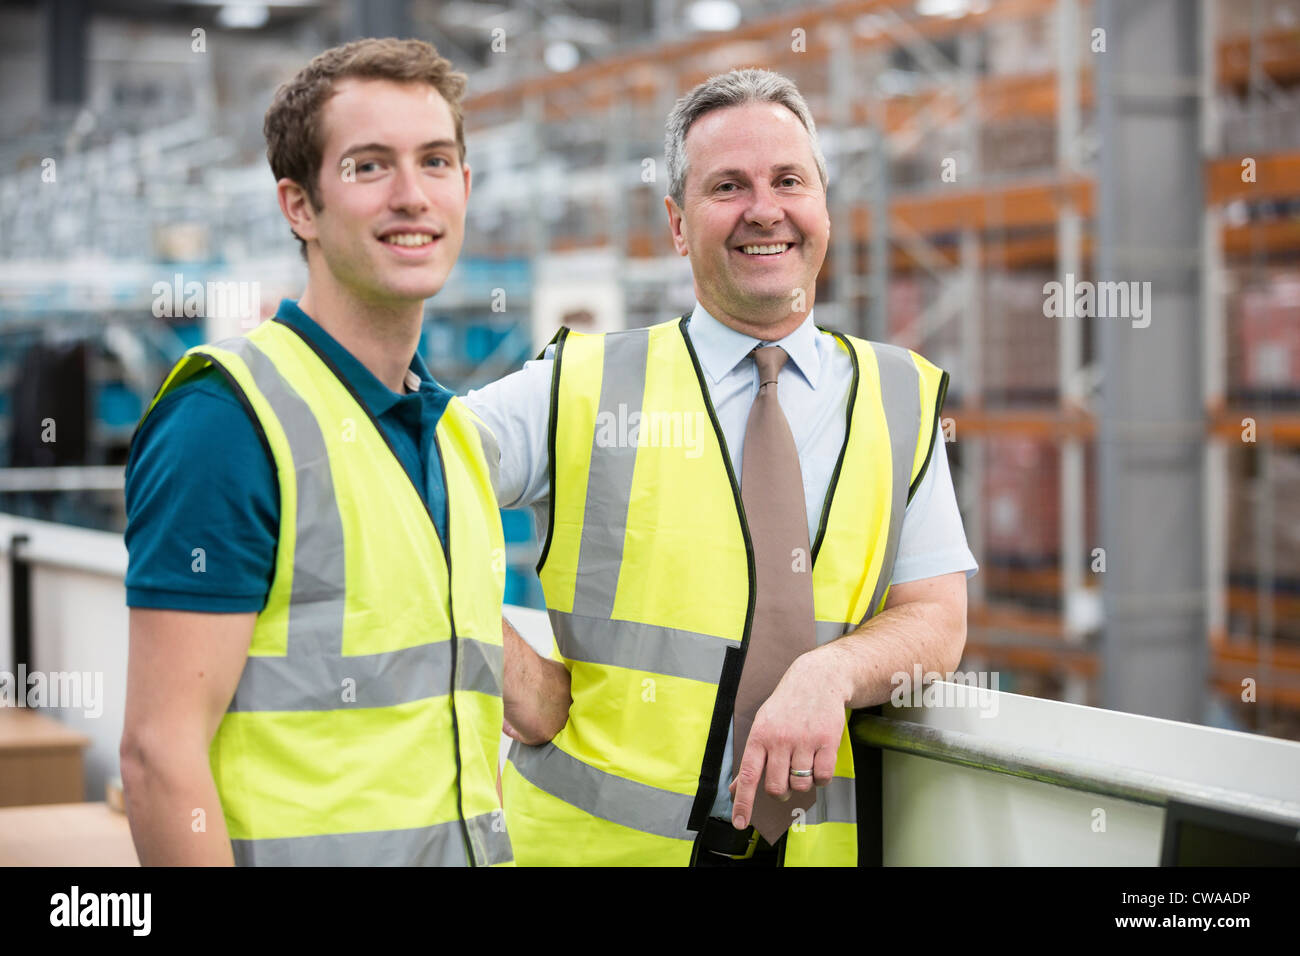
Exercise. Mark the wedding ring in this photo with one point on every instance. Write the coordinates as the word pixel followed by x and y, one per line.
pixel 801 773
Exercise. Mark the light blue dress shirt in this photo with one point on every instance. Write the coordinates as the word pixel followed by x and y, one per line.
pixel 813 389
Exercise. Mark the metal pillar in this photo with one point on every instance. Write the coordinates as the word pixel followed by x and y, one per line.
pixel 1215 365
pixel 1069 261
pixel 972 398
pixel 878 268
pixel 1151 423
pixel 380 18
pixel 843 191
pixel 65 51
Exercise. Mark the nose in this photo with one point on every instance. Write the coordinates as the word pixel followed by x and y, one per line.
pixel 407 193
pixel 764 210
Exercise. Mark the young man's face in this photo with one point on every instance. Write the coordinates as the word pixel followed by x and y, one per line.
pixel 754 223
pixel 393 191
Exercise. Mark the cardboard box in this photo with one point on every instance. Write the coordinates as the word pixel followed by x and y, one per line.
pixel 40 759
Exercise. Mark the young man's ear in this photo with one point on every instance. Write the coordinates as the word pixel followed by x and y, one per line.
pixel 675 225
pixel 297 208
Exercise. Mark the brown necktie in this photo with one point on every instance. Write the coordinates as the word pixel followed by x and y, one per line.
pixel 771 487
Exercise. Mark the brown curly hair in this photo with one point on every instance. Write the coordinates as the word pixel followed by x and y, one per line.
pixel 293 127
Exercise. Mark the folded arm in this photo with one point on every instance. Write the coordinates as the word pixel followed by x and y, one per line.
pixel 801 724
pixel 536 691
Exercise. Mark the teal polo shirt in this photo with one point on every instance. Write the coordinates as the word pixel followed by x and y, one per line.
pixel 199 477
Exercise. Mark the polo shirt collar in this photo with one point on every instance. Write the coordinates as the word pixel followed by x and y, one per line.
pixel 721 348
pixel 376 396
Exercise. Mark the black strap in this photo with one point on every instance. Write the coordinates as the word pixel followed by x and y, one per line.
pixel 721 837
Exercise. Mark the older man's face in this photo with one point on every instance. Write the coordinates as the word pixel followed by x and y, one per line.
pixel 754 224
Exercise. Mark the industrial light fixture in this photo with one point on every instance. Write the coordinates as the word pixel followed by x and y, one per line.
pixel 950 8
pixel 713 15
pixel 561 56
pixel 243 16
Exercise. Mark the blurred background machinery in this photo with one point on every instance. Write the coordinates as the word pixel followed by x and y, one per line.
pixel 1132 494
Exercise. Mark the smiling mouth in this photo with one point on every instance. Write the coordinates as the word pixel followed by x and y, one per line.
pixel 767 249
pixel 409 240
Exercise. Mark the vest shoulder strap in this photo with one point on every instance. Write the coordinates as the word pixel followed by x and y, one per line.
pixel 906 378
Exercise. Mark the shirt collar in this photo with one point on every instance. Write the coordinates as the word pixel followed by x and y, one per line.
pixel 721 348
pixel 376 396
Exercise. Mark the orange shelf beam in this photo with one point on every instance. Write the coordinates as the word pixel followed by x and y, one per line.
pixel 1275 176
pixel 1004 619
pixel 1283 429
pixel 1245 600
pixel 1278 52
pixel 1050 423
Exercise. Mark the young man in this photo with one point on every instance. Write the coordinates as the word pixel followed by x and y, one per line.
pixel 774 538
pixel 316 561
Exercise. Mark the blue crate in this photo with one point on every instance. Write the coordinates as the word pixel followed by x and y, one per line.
pixel 115 405
pixel 517 526
pixel 523 589
pixel 482 340
pixel 190 335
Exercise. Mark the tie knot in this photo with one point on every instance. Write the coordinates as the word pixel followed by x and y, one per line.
pixel 770 360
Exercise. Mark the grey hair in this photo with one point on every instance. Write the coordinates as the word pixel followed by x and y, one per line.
pixel 732 89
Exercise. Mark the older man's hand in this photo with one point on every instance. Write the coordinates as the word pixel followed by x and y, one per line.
pixel 798 728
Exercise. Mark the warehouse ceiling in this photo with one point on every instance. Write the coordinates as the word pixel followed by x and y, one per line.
pixel 565 33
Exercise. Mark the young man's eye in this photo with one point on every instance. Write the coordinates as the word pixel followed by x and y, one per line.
pixel 367 165
pixel 438 159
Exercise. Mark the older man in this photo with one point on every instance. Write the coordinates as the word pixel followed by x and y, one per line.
pixel 749 526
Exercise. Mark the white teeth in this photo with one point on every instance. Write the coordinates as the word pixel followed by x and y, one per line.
pixel 409 239
pixel 765 250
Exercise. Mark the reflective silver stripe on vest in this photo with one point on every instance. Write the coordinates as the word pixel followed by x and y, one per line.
pixel 491 450
pixel 366 680
pixel 480 666
pixel 487 832
pixel 314 674
pixel 319 575
pixel 642 647
pixel 828 631
pixel 439 845
pixel 900 390
pixel 609 483
pixel 605 795
pixel 836 803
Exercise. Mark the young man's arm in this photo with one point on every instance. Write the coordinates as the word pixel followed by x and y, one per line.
pixel 203 514
pixel 181 674
pixel 536 692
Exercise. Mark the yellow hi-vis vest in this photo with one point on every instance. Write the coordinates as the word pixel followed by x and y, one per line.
pixel 648 573
pixel 366 724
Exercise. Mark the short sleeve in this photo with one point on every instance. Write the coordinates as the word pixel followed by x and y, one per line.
pixel 933 540
pixel 202 504
pixel 517 409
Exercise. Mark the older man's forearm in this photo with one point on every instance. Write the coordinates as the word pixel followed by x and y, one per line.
pixel 863 664
pixel 536 692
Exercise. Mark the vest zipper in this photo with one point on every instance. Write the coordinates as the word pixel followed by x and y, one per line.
pixel 451 617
